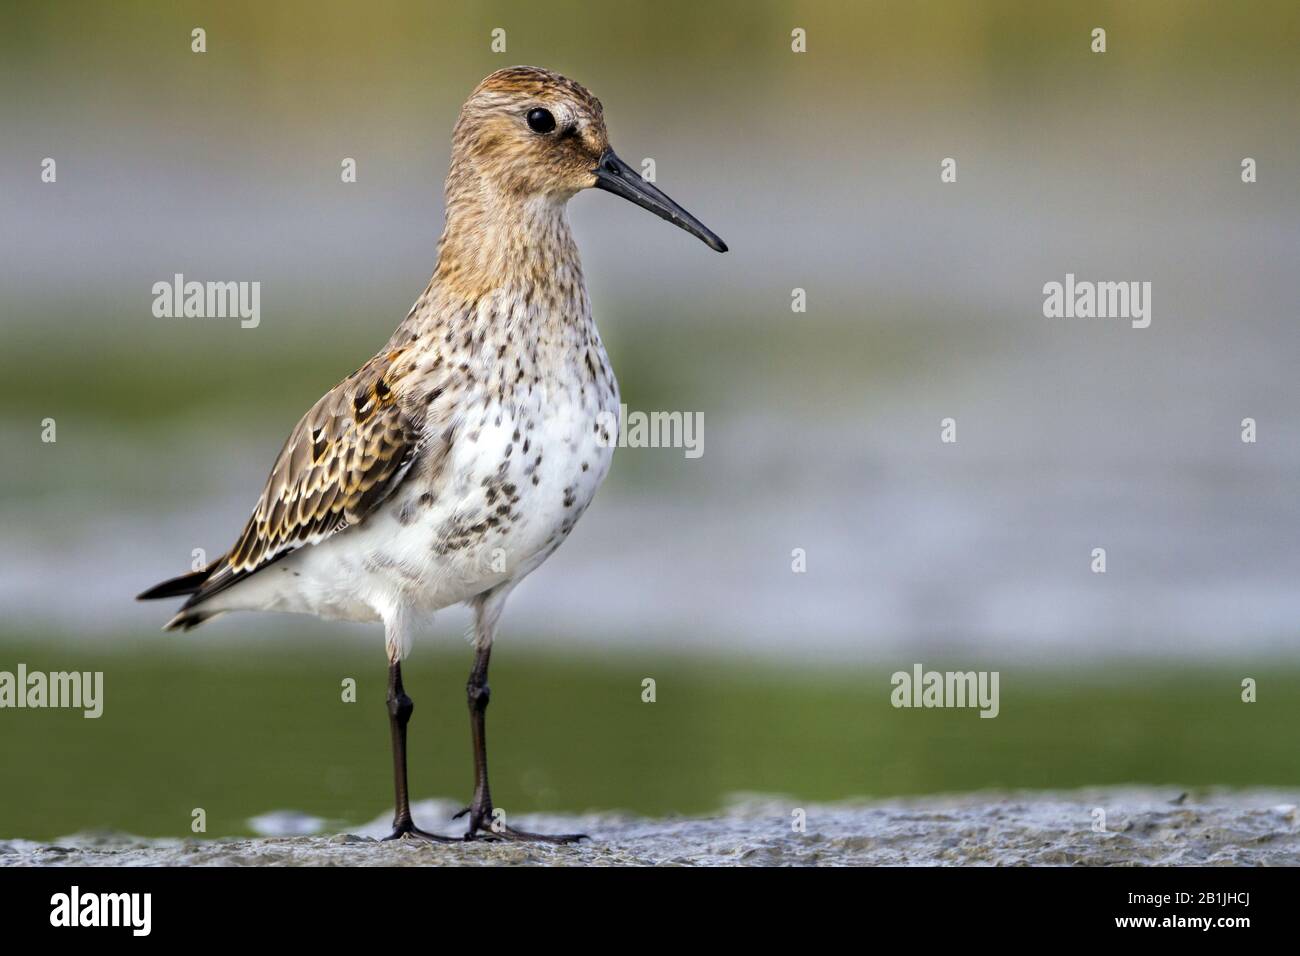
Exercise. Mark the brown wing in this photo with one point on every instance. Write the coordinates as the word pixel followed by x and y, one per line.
pixel 341 460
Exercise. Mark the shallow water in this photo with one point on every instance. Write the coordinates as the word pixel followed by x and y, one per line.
pixel 242 730
pixel 1142 826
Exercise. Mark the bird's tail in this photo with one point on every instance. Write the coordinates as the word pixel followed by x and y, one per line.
pixel 189 617
pixel 188 620
pixel 176 587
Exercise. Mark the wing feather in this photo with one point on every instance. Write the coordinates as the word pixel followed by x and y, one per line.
pixel 342 459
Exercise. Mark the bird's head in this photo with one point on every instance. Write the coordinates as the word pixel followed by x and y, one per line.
pixel 532 135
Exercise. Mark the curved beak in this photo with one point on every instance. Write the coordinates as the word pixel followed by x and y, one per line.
pixel 617 177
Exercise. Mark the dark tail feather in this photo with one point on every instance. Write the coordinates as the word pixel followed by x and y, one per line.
pixel 188 620
pixel 176 587
pixel 199 586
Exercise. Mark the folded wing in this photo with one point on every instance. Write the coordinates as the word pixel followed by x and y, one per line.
pixel 343 458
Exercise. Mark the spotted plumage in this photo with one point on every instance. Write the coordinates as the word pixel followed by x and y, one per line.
pixel 457 459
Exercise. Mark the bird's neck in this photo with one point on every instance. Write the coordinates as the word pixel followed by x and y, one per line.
pixel 503 263
pixel 494 239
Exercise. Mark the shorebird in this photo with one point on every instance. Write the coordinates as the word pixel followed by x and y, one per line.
pixel 460 456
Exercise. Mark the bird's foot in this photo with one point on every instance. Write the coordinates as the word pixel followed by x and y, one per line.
pixel 404 829
pixel 485 824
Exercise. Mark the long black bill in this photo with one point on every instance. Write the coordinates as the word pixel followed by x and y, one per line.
pixel 615 176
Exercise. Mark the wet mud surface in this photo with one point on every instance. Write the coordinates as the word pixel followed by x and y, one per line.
pixel 1113 826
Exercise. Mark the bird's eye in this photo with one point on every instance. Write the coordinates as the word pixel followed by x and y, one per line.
pixel 540 120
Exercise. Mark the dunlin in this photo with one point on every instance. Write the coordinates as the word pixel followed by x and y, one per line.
pixel 458 458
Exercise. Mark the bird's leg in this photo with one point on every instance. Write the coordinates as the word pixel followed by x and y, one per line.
pixel 483 823
pixel 399 713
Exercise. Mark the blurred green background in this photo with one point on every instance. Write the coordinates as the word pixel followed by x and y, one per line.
pixel 821 171
pixel 194 725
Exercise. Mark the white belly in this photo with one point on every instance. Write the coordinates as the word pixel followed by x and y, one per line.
pixel 503 500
